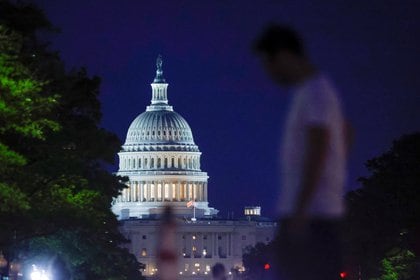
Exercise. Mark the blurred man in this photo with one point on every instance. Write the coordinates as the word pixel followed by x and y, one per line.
pixel 167 261
pixel 218 272
pixel 313 157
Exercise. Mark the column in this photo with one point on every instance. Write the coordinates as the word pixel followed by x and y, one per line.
pixel 177 191
pixel 186 191
pixel 230 244
pixel 170 191
pixel 134 191
pixel 156 189
pixel 141 191
pixel 205 191
pixel 200 191
pixel 216 245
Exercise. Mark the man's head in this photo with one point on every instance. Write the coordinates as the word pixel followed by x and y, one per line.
pixel 282 52
pixel 218 271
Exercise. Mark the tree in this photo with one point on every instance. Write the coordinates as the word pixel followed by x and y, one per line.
pixel 384 214
pixel 259 261
pixel 55 191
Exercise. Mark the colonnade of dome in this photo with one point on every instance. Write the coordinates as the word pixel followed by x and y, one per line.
pixel 164 191
pixel 155 161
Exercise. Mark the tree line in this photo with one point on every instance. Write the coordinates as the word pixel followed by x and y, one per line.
pixel 381 230
pixel 55 191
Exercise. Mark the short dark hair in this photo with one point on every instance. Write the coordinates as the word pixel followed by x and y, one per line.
pixel 218 270
pixel 278 37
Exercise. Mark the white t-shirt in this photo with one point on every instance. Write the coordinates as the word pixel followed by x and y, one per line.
pixel 315 102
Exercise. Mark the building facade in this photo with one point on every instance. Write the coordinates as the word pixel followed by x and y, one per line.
pixel 162 162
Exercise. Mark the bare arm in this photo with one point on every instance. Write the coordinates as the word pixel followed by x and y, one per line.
pixel 316 144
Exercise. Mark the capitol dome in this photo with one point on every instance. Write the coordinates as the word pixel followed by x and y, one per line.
pixel 161 161
pixel 157 127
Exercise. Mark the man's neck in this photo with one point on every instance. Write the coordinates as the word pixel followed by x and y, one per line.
pixel 304 72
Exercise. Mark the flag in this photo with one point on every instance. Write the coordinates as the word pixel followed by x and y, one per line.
pixel 190 203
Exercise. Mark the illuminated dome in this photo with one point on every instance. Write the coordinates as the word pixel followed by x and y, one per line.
pixel 159 128
pixel 162 162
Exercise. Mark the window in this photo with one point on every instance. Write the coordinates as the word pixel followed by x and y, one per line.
pixel 172 162
pixel 143 252
pixel 144 237
pixel 139 162
pixel 158 162
pixel 165 163
pixel 152 163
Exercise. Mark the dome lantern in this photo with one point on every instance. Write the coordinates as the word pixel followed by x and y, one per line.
pixel 159 89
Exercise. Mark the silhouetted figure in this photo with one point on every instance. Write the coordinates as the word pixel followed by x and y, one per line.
pixel 167 261
pixel 218 272
pixel 313 161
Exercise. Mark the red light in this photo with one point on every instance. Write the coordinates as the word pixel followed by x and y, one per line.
pixel 267 266
pixel 343 275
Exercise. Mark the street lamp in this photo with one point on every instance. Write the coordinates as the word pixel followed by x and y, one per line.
pixel 37 274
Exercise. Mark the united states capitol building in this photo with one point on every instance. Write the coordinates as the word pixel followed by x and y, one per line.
pixel 162 162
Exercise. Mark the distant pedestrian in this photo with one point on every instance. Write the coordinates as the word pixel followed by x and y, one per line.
pixel 218 272
pixel 167 257
pixel 313 161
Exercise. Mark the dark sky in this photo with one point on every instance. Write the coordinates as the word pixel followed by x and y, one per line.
pixel 371 49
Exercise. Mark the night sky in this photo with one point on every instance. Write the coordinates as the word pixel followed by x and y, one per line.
pixel 371 49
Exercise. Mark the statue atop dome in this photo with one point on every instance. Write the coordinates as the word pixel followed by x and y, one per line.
pixel 159 72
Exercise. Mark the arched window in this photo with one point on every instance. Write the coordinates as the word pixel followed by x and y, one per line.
pixel 133 164
pixel 139 163
pixel 190 163
pixel 172 162
pixel 165 164
pixel 145 163
pixel 158 162
pixel 179 162
pixel 152 163
pixel 129 163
